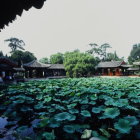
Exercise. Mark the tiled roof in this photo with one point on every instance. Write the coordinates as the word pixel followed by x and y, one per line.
pixel 56 66
pixel 110 64
pixel 19 69
pixel 126 66
pixel 137 63
pixel 5 60
pixel 133 69
pixel 36 64
pixel 9 9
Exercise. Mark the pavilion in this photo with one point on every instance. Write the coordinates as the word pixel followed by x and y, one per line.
pixel 9 68
pixel 36 69
pixel 56 70
pixel 112 68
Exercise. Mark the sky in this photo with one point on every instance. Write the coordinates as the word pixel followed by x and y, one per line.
pixel 66 25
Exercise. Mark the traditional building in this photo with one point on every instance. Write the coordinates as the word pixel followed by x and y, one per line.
pixel 133 70
pixel 112 68
pixel 10 70
pixel 56 70
pixel 36 69
pixel 6 67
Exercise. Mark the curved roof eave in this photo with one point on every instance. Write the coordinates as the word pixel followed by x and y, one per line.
pixel 9 9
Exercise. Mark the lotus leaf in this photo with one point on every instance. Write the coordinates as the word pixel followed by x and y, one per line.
pixel 47 99
pixel 51 110
pixel 123 126
pixel 44 122
pixel 73 111
pixel 105 132
pixel 85 113
pixel 98 109
pixel 25 108
pixel 132 119
pixel 71 105
pixel 95 134
pixel 19 101
pixel 38 106
pixel 83 107
pixel 39 97
pixel 49 135
pixel 111 113
pixel 64 116
pixel 93 97
pixel 22 128
pixel 59 107
pixel 84 101
pixel 92 102
pixel 69 128
pixel 86 134
pixel 53 124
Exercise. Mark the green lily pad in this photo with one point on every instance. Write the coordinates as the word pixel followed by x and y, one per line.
pixel 74 111
pixel 105 132
pixel 98 109
pixel 92 102
pixel 132 119
pixel 86 134
pixel 110 113
pixel 64 116
pixel 22 128
pixel 84 101
pixel 69 128
pixel 70 106
pixel 85 113
pixel 47 99
pixel 39 106
pixel 54 124
pixel 93 97
pixel 44 122
pixel 49 135
pixel 123 126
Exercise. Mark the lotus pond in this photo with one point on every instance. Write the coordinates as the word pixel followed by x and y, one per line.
pixel 73 109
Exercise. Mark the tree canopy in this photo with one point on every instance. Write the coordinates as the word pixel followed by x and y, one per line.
pixel 57 58
pixel 1 54
pixel 79 64
pixel 15 43
pixel 113 56
pixel 25 57
pixel 99 51
pixel 134 54
pixel 44 60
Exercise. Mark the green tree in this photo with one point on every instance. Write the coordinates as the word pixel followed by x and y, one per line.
pixel 1 54
pixel 25 57
pixel 113 56
pixel 79 64
pixel 57 58
pixel 15 43
pixel 44 60
pixel 134 54
pixel 99 51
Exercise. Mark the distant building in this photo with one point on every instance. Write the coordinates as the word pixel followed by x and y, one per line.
pixel 57 70
pixel 8 69
pixel 36 69
pixel 112 68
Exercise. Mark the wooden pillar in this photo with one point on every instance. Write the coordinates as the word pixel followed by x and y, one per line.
pixel 30 73
pixel 102 71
